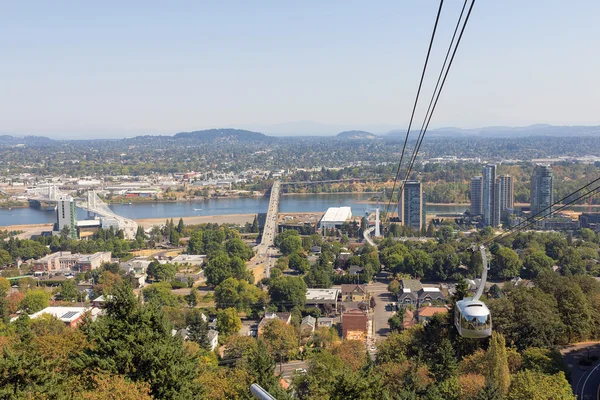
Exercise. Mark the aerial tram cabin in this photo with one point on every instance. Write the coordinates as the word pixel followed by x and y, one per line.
pixel 472 318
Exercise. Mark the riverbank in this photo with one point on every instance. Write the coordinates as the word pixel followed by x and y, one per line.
pixel 236 219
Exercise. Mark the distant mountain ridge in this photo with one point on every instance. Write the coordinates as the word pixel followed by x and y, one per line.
pixel 27 140
pixel 243 135
pixel 508 132
pixel 356 135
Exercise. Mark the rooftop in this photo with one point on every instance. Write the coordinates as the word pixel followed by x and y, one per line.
pixel 337 214
pixel 322 294
pixel 430 311
pixel 65 314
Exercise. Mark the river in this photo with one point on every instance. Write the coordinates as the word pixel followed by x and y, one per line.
pixel 221 206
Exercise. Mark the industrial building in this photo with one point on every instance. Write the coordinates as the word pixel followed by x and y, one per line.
pixel 335 217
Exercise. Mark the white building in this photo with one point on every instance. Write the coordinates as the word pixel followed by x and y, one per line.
pixel 195 260
pixel 335 217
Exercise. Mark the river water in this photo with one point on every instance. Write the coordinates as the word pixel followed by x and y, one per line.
pixel 221 206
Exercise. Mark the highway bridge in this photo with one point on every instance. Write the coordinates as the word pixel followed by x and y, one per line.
pixel 92 204
pixel 264 250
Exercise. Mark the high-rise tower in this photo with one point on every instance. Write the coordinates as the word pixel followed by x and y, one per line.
pixel 504 198
pixel 542 191
pixel 476 195
pixel 410 206
pixel 66 216
pixel 488 194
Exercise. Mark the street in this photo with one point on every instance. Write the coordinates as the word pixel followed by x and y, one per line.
pixel 585 380
pixel 288 369
pixel 380 315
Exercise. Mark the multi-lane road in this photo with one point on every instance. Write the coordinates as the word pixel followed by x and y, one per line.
pixel 265 251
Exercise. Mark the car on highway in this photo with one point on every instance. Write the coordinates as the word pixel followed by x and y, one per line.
pixel 300 370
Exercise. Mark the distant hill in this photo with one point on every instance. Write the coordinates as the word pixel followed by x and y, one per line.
pixel 27 140
pixel 508 132
pixel 212 134
pixel 356 135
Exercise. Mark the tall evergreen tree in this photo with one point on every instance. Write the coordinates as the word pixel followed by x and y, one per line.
pixel 497 363
pixel 197 329
pixel 180 226
pixel 254 227
pixel 135 340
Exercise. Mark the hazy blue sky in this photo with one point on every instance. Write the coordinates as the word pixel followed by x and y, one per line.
pixel 119 68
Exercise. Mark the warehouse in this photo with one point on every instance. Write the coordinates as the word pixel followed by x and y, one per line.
pixel 335 217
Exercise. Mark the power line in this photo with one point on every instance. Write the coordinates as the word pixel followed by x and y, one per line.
pixel 435 96
pixel 532 220
pixel 437 18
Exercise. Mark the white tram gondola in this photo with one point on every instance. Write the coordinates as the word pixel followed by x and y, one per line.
pixel 472 318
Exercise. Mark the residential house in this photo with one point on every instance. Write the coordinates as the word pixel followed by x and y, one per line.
pixel 424 314
pixel 423 295
pixel 324 322
pixel 354 325
pixel 270 316
pixel 355 270
pixel 308 325
pixel 409 319
pixel 354 293
pixel 100 302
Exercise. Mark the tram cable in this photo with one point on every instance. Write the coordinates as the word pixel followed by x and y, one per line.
pixel 532 220
pixel 433 103
pixel 437 18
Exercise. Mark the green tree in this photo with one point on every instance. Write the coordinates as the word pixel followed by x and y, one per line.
pixel 160 294
pixel 529 384
pixel 536 262
pixel 237 248
pixel 135 341
pixel 571 262
pixel 195 244
pixel 68 290
pixel 287 292
pixel 162 272
pixel 180 226
pixel 497 363
pixel 35 300
pixel 280 338
pixel 239 294
pixel 396 322
pixel 254 227
pixel 506 263
pixel 197 329
pixel 298 263
pixel 291 244
pixel 228 322
pixel 394 287
pixel 5 258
